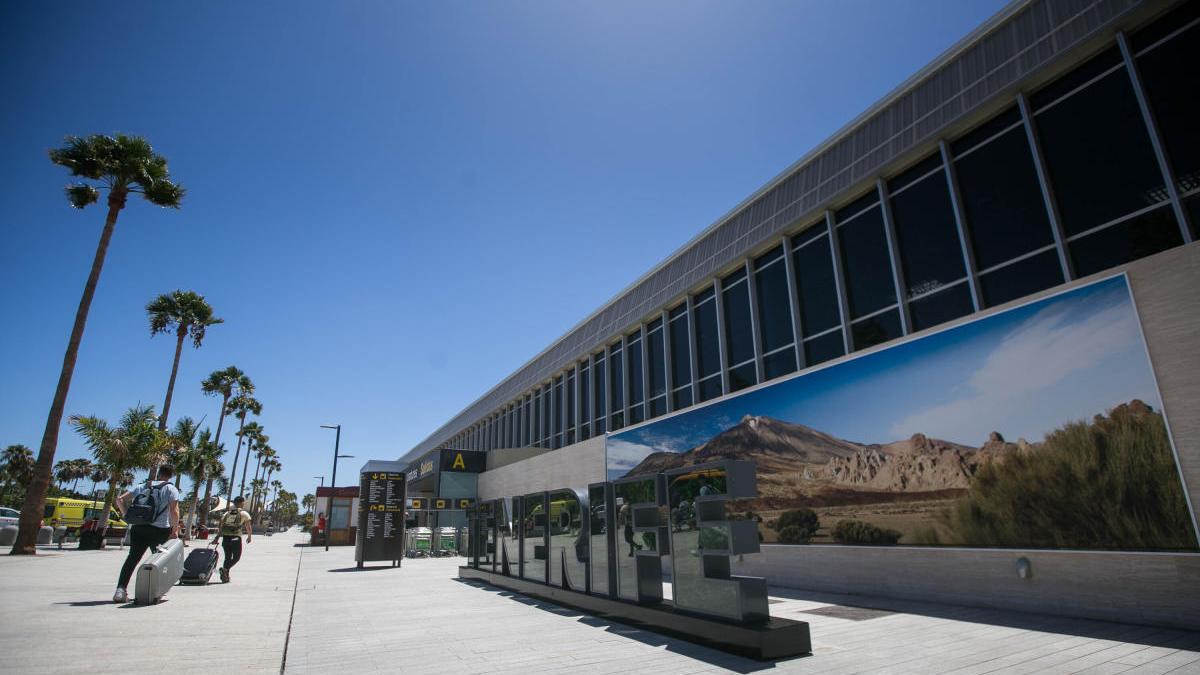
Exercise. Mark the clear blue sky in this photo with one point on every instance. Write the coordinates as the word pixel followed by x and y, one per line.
pixel 395 205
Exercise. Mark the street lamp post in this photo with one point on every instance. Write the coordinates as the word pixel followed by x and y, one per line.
pixel 337 440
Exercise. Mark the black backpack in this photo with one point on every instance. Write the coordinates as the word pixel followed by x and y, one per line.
pixel 145 509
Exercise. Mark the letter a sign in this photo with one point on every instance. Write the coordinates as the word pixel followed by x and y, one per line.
pixel 458 462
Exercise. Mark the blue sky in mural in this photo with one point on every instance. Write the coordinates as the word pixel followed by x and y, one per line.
pixel 1022 373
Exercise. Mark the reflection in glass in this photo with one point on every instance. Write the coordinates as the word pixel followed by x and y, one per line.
pixel 638 517
pixel 568 544
pixel 508 557
pixel 533 537
pixel 600 539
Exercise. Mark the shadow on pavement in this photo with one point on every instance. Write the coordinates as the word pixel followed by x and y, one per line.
pixel 369 568
pixel 86 603
pixel 843 606
pixel 692 650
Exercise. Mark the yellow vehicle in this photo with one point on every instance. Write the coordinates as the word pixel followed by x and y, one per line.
pixel 72 512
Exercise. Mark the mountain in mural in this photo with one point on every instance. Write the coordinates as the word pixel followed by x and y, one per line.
pixel 799 465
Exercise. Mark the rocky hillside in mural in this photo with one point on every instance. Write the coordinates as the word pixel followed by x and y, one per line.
pixel 801 466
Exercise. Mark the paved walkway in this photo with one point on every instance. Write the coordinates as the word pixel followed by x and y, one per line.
pixel 419 619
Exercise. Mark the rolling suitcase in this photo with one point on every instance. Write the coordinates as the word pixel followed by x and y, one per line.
pixel 199 565
pixel 159 573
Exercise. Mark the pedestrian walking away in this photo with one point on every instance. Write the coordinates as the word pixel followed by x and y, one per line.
pixel 152 511
pixel 233 523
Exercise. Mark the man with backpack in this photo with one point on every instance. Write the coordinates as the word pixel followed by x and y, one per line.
pixel 152 511
pixel 233 523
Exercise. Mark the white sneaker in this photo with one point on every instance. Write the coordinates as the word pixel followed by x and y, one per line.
pixel 120 596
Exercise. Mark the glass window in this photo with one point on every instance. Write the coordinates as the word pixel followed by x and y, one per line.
pixel 876 330
pixel 585 397
pixel 1021 278
pixel 710 388
pixel 945 305
pixel 601 418
pixel 658 406
pixel 866 263
pixel 780 363
pixel 1192 206
pixel 547 425
pixel 810 233
pixel 774 303
pixel 681 366
pixel 927 236
pixel 739 340
pixel 683 397
pixel 558 412
pixel 708 356
pixel 914 173
pixel 1135 238
pixel 616 386
pixel 741 377
pixel 1002 201
pixel 986 131
pixel 816 286
pixel 656 356
pixel 570 408
pixel 1171 75
pixel 1095 143
pixel 637 389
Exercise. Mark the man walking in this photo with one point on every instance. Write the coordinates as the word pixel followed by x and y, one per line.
pixel 153 513
pixel 233 523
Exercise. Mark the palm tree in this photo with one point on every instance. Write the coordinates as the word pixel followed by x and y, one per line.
pixel 277 484
pixel 187 313
pixel 270 466
pixel 265 452
pixel 205 465
pixel 255 441
pixel 136 443
pixel 123 165
pixel 18 468
pixel 240 406
pixel 224 383
pixel 62 471
pixel 183 447
pixel 309 502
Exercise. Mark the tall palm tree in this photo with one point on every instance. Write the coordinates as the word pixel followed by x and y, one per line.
pixel 63 471
pixel 18 468
pixel 309 501
pixel 270 466
pixel 240 406
pixel 276 484
pixel 135 443
pixel 205 463
pixel 183 447
pixel 123 165
pixel 224 383
pixel 189 315
pixel 265 452
pixel 255 443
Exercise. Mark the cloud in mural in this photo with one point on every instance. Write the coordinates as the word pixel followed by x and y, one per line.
pixel 624 455
pixel 1047 348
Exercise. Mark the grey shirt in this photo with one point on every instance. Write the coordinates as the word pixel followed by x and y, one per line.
pixel 165 494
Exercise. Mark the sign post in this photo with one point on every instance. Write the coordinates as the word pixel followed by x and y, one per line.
pixel 380 513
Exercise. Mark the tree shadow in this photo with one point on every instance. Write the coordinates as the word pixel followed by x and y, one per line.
pixel 368 568
pixel 87 603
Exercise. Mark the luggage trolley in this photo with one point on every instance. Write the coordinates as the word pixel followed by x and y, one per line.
pixel 447 542
pixel 420 539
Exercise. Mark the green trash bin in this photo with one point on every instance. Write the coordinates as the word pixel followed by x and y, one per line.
pixel 447 541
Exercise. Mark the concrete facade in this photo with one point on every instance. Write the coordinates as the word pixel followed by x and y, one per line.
pixel 573 466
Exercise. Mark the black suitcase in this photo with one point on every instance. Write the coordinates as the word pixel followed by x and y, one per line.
pixel 199 566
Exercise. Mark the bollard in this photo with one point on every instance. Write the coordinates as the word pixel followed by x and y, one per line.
pixel 8 535
pixel 45 535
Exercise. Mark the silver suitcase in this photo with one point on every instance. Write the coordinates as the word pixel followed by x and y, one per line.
pixel 159 573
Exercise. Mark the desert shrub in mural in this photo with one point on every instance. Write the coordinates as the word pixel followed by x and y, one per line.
pixel 858 532
pixel 1090 484
pixel 1038 427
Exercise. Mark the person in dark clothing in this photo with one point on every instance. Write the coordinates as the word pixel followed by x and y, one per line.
pixel 233 523
pixel 144 537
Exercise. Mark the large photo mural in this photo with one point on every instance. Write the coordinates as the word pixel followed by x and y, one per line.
pixel 1037 427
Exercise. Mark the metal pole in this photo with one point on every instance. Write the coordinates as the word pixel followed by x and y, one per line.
pixel 337 441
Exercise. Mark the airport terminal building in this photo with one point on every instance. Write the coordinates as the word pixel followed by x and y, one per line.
pixel 950 334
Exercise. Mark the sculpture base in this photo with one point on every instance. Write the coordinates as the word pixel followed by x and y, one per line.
pixel 776 639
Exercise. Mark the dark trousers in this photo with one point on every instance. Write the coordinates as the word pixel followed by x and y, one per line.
pixel 141 537
pixel 233 550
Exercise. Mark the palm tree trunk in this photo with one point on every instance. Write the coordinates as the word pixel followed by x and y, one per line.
pixel 245 465
pixel 35 495
pixel 216 443
pixel 75 484
pixel 179 335
pixel 237 453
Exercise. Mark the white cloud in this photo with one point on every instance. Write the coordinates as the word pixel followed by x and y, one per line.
pixel 625 455
pixel 1042 351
